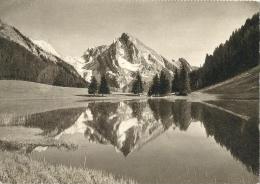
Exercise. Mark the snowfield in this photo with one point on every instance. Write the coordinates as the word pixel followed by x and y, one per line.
pixel 127 65
pixel 47 47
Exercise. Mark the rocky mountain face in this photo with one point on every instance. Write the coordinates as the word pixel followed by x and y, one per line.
pixel 121 60
pixel 22 59
pixel 183 62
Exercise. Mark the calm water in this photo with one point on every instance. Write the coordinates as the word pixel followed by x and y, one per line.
pixel 154 141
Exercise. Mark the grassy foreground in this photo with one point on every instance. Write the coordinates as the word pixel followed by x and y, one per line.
pixel 16 165
pixel 19 168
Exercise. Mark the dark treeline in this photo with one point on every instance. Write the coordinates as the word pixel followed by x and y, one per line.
pixel 169 113
pixel 137 87
pixel 103 88
pixel 236 55
pixel 180 85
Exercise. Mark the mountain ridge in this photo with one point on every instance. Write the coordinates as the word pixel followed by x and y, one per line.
pixel 21 59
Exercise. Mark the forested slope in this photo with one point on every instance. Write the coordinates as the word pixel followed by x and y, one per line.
pixel 238 54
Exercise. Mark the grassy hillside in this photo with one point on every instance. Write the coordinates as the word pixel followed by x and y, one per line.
pixel 243 86
pixel 30 97
pixel 31 90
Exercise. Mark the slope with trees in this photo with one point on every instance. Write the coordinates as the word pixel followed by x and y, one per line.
pixel 236 55
pixel 21 59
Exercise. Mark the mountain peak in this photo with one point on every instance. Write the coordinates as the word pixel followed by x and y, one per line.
pixel 125 34
pixel 127 37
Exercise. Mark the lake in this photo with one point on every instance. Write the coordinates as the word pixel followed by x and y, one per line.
pixel 150 141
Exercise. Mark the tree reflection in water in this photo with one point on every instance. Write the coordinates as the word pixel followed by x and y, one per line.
pixel 238 136
pixel 54 122
pixel 129 125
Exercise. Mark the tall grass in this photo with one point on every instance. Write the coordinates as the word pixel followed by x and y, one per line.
pixel 19 168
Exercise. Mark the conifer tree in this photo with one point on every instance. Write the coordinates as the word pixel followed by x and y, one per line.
pixel 175 82
pixel 103 88
pixel 93 86
pixel 184 82
pixel 164 84
pixel 137 85
pixel 150 93
pixel 155 87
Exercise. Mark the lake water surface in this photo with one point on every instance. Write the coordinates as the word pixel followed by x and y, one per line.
pixel 152 141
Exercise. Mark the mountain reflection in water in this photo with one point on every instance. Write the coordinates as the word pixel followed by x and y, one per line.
pixel 129 125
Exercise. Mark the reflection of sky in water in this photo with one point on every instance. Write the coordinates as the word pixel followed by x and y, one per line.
pixel 155 141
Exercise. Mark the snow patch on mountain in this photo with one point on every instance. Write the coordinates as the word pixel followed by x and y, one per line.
pixel 47 47
pixel 11 33
pixel 78 63
pixel 127 65
pixel 127 124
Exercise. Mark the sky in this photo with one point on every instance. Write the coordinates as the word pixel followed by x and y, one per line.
pixel 173 29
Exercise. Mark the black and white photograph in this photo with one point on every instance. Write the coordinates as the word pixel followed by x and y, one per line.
pixel 129 92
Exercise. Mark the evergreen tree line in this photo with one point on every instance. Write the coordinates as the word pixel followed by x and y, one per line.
pixel 180 84
pixel 137 87
pixel 160 86
pixel 103 88
pixel 236 55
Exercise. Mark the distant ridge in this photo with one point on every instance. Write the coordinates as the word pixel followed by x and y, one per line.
pixel 21 59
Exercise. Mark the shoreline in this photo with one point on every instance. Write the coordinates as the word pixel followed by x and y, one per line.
pixel 194 96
